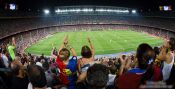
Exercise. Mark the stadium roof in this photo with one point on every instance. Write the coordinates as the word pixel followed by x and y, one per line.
pixel 39 4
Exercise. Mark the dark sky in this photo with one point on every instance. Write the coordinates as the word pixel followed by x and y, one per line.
pixel 39 4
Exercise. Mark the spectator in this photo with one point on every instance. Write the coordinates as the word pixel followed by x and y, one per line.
pixel 68 67
pixel 167 56
pixel 112 75
pixel 24 58
pixel 92 81
pixel 2 65
pixel 86 61
pixel 11 48
pixel 37 77
pixel 54 50
pixel 56 80
pixel 134 77
pixel 20 79
pixel 48 73
pixel 5 59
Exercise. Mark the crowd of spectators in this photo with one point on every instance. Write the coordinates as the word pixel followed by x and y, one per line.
pixel 28 38
pixel 148 68
pixel 11 26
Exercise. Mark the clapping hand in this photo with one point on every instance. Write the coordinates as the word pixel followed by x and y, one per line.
pixel 13 38
pixel 88 39
pixel 162 53
pixel 66 40
pixel 123 61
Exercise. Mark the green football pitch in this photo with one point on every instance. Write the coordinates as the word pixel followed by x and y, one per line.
pixel 105 42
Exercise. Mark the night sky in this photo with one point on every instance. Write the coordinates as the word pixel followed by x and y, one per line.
pixel 40 4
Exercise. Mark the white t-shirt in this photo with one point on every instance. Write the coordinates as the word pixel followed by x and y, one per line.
pixel 111 79
pixel 167 69
pixel 5 60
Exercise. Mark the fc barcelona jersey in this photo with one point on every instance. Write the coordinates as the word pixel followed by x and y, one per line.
pixel 67 72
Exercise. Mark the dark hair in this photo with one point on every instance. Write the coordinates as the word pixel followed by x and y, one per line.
pixel 156 50
pixel 143 56
pixel 15 69
pixel 65 50
pixel 148 74
pixel 37 76
pixel 55 52
pixel 86 52
pixel 45 66
pixel 113 69
pixel 123 56
pixel 97 76
pixel 172 44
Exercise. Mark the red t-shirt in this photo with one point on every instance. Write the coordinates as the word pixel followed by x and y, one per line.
pixel 129 81
pixel 157 74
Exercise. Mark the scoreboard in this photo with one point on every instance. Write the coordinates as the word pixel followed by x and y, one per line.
pixel 11 6
pixel 165 8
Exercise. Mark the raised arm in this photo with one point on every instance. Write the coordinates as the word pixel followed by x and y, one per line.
pixel 128 63
pixel 13 41
pixel 91 46
pixel 74 53
pixel 53 48
pixel 64 44
pixel 122 67
pixel 163 52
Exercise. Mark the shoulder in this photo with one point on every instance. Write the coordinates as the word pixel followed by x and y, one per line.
pixel 130 77
pixel 125 79
pixel 11 47
pixel 74 58
pixel 79 60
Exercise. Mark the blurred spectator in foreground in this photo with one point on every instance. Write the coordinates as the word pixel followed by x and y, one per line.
pixel 37 77
pixel 20 79
pixel 167 55
pixel 11 48
pixel 97 78
pixel 136 76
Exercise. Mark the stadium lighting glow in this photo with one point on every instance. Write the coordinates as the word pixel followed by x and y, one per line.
pixel 87 10
pixel 134 11
pixel 46 11
pixel 112 10
pixel 73 10
pixel 12 6
pixel 76 10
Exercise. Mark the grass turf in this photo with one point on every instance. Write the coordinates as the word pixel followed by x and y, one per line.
pixel 105 42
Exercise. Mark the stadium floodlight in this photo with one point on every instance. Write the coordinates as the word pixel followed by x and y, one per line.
pixel 113 10
pixel 87 10
pixel 46 11
pixel 134 11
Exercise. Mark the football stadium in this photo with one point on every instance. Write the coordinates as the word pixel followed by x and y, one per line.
pixel 87 44
pixel 104 41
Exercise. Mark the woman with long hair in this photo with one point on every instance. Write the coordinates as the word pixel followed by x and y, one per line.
pixel 86 60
